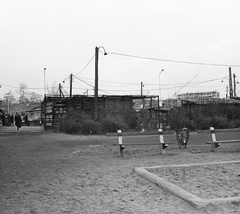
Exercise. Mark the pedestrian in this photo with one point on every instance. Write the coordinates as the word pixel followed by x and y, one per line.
pixel 12 120
pixel 6 120
pixel 18 120
pixel 9 119
pixel 3 119
pixel 26 120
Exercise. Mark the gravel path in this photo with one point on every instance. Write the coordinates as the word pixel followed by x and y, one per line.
pixel 58 173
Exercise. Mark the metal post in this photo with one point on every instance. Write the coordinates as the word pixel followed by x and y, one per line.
pixel 230 83
pixel 143 101
pixel 44 83
pixel 234 85
pixel 160 86
pixel 96 83
pixel 70 85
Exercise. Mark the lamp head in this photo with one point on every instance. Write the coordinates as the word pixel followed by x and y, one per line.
pixel 105 53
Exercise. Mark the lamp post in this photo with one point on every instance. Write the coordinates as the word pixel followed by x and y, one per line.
pixel 96 80
pixel 44 83
pixel 159 101
pixel 226 87
pixel 71 80
pixel 160 86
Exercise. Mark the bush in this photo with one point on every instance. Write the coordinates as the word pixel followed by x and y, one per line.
pixel 71 127
pixel 78 123
pixel 219 122
pixel 174 119
pixel 90 127
pixel 203 123
pixel 187 123
pixel 113 123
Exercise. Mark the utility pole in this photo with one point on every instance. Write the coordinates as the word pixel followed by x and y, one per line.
pixel 230 84
pixel 71 85
pixel 44 83
pixel 96 80
pixel 142 94
pixel 227 92
pixel 234 85
pixel 96 84
pixel 60 90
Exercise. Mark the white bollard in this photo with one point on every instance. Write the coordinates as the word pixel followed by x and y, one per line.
pixel 121 147
pixel 163 146
pixel 214 139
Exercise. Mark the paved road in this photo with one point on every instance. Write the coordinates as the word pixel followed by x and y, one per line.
pixel 194 139
pixel 23 129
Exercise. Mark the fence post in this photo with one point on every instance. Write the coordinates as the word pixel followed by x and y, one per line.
pixel 163 146
pixel 213 139
pixel 121 147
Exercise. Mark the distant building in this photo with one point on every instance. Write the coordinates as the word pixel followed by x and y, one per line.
pixel 198 95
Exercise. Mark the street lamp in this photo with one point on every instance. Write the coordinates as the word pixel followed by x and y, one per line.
pixel 44 83
pixel 96 80
pixel 71 80
pixel 226 87
pixel 160 86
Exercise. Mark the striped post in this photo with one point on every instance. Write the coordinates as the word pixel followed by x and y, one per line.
pixel 163 146
pixel 213 139
pixel 121 147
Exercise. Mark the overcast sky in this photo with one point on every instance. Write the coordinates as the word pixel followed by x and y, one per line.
pixel 61 36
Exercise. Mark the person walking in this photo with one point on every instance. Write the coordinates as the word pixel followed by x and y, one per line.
pixel 9 120
pixel 12 120
pixel 26 120
pixel 18 120
pixel 3 119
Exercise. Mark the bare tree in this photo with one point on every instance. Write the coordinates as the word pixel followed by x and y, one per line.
pixel 34 98
pixel 22 91
pixel 8 100
pixel 53 90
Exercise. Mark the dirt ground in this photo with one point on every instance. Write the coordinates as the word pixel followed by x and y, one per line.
pixel 58 173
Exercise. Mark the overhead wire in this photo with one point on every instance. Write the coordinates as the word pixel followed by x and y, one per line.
pixel 85 65
pixel 172 61
pixel 83 81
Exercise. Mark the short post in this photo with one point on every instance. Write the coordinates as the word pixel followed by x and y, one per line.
pixel 213 139
pixel 163 146
pixel 121 147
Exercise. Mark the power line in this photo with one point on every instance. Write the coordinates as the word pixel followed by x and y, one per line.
pixel 9 86
pixel 84 81
pixel 92 85
pixel 123 83
pixel 172 61
pixel 86 65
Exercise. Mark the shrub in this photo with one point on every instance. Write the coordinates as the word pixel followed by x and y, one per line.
pixel 174 119
pixel 71 127
pixel 219 122
pixel 90 126
pixel 187 123
pixel 203 123
pixel 113 123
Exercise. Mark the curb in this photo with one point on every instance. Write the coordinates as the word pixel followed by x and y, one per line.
pixel 193 200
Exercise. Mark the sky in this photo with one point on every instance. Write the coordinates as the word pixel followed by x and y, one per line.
pixel 195 42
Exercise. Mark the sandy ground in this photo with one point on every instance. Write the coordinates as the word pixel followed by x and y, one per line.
pixel 196 179
pixel 58 173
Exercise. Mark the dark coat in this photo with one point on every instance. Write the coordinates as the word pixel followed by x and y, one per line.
pixel 18 120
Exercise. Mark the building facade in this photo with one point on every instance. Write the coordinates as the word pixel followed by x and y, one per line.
pixel 198 95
